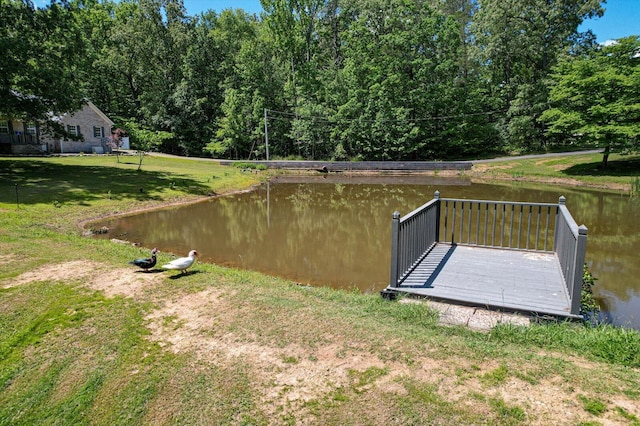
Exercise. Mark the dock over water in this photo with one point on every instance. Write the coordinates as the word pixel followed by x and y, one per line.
pixel 520 257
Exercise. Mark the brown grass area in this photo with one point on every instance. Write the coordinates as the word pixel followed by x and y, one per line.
pixel 97 276
pixel 480 177
pixel 486 167
pixel 6 259
pixel 290 376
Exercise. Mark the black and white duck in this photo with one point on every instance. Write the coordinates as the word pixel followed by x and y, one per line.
pixel 147 263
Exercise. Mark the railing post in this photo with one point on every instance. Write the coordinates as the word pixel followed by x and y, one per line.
pixel 436 196
pixel 561 202
pixel 581 250
pixel 395 236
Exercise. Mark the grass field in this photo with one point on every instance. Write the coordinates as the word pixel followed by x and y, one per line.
pixel 621 173
pixel 85 338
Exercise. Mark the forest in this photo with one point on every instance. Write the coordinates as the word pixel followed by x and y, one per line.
pixel 328 79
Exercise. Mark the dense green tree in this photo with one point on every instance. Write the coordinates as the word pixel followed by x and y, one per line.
pixel 39 69
pixel 137 50
pixel 95 20
pixel 405 86
pixel 262 80
pixel 596 98
pixel 232 135
pixel 518 41
pixel 308 40
pixel 251 83
pixel 369 79
pixel 199 94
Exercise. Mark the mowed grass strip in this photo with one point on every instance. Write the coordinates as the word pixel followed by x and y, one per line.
pixel 620 173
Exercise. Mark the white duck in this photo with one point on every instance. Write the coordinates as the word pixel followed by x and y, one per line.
pixel 182 263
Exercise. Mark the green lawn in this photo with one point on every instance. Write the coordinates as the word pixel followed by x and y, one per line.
pixel 621 172
pixel 85 338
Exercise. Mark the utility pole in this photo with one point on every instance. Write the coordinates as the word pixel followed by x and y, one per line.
pixel 266 133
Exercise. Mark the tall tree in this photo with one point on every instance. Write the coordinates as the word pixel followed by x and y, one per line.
pixel 255 84
pixel 39 48
pixel 199 94
pixel 96 19
pixel 519 41
pixel 302 43
pixel 596 98
pixel 403 80
pixel 137 51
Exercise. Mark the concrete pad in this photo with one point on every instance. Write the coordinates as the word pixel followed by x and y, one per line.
pixel 472 317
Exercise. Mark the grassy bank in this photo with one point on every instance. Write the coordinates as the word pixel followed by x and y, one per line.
pixel 622 172
pixel 86 339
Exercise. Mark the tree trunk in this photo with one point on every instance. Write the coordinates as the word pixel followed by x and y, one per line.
pixel 605 156
pixel 140 157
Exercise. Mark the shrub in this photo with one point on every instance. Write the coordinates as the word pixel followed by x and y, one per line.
pixel 588 305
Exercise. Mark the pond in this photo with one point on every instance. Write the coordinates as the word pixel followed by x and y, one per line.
pixel 335 230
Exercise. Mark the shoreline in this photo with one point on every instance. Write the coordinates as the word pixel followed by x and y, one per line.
pixel 474 176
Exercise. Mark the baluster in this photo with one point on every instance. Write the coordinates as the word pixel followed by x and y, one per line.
pixel 538 226
pixel 453 223
pixel 461 221
pixel 486 222
pixel 504 213
pixel 529 227
pixel 513 207
pixel 478 226
pixel 546 232
pixel 469 224
pixel 495 218
pixel 446 217
pixel 520 226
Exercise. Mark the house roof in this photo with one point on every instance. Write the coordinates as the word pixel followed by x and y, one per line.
pixel 93 107
pixel 100 113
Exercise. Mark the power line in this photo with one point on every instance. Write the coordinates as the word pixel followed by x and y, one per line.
pixel 328 120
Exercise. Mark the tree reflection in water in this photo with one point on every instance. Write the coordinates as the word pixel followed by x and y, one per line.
pixel 335 230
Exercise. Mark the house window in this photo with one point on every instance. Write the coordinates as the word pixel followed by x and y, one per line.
pixel 72 130
pixel 4 127
pixel 31 128
pixel 98 132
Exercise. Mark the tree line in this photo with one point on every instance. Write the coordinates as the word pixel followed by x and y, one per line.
pixel 328 79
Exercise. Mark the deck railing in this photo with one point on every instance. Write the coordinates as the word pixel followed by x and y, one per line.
pixel 541 227
pixel 570 245
pixel 503 224
pixel 26 138
pixel 412 237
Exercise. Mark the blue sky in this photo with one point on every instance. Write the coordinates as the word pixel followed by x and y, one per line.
pixel 196 6
pixel 621 18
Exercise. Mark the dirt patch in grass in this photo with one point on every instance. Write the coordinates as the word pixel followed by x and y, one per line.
pixel 483 168
pixel 97 276
pixel 482 177
pixel 293 376
pixel 288 378
pixel 5 259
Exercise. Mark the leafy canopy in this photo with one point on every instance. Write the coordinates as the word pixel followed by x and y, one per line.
pixel 596 97
pixel 38 70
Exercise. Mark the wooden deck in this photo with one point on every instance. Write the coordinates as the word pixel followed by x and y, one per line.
pixel 514 280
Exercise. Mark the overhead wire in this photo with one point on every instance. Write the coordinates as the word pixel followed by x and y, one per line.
pixel 328 120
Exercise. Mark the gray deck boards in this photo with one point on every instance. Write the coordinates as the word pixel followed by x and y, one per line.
pixel 510 279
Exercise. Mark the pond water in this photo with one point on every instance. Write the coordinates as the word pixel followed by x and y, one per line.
pixel 335 230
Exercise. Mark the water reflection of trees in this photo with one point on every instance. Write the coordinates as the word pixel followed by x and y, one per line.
pixel 339 234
